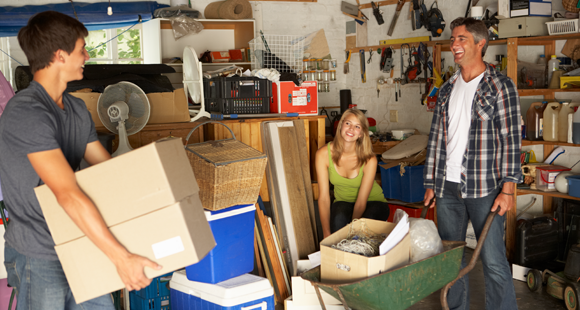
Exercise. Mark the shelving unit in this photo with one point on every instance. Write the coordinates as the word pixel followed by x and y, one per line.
pixel 549 43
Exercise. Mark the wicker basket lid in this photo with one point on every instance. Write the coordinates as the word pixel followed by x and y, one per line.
pixel 570 5
pixel 224 152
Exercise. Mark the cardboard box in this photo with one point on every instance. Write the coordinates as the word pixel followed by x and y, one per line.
pixel 136 183
pixel 290 304
pixel 174 237
pixel 149 199
pixel 304 294
pixel 356 267
pixel 289 98
pixel 168 107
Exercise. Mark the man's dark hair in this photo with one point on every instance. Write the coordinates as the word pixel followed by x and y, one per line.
pixel 46 33
pixel 477 29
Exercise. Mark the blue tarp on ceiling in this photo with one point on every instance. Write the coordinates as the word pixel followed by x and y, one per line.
pixel 92 15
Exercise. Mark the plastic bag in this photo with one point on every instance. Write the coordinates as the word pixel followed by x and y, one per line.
pixel 425 240
pixel 174 11
pixel 183 25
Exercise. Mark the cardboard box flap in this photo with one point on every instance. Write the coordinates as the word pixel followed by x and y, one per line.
pixel 168 107
pixel 174 237
pixel 127 186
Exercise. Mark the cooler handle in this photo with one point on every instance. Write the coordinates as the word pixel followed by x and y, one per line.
pixel 263 306
pixel 545 181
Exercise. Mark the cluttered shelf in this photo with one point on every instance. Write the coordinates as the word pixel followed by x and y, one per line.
pixel 522 191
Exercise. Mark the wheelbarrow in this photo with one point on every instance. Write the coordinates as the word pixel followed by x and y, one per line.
pixel 400 288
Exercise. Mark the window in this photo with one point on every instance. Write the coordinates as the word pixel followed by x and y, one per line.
pixel 125 49
pixel 5 63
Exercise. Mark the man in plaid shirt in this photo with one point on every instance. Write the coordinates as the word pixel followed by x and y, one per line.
pixel 473 159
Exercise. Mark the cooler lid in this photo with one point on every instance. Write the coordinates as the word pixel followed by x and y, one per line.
pixel 227 212
pixel 235 291
pixel 553 168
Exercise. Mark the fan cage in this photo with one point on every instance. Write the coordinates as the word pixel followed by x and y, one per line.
pixel 287 48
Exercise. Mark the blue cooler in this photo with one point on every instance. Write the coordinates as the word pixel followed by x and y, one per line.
pixel 408 187
pixel 244 292
pixel 233 231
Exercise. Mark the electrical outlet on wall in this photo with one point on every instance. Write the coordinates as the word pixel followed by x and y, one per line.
pixel 394 116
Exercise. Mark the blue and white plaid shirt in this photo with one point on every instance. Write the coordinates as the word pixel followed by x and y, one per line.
pixel 492 156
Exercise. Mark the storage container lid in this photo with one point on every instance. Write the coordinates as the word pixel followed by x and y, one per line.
pixel 223 152
pixel 227 212
pixel 232 292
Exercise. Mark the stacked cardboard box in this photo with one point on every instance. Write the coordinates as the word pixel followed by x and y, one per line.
pixel 149 199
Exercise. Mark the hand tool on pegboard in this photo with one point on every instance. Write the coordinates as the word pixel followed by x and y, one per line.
pixel 378 13
pixel 397 13
pixel 363 72
pixel 387 60
pixel 346 66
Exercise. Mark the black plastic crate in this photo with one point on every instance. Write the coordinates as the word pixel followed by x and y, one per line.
pixel 237 95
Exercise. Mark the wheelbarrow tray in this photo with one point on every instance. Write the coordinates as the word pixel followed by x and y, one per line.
pixel 399 288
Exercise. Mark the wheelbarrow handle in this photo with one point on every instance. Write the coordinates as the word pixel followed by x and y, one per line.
pixel 426 208
pixel 473 260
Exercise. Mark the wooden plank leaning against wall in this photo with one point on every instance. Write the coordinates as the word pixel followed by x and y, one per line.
pixel 245 130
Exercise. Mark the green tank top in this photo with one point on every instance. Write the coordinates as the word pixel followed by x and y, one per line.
pixel 347 189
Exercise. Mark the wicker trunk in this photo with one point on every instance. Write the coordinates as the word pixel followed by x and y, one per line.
pixel 228 171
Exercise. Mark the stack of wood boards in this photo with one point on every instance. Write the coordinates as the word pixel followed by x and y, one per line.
pixel 269 256
pixel 290 188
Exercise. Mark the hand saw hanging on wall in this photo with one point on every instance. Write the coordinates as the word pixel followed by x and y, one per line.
pixel 397 13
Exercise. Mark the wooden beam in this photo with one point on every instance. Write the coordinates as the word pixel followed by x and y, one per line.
pixel 379 3
pixel 512 54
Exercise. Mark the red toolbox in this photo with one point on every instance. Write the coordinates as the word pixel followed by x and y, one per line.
pixel 289 98
pixel 411 211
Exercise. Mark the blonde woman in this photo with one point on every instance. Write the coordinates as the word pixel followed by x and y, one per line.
pixel 350 165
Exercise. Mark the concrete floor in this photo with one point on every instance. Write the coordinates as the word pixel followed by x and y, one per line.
pixel 527 300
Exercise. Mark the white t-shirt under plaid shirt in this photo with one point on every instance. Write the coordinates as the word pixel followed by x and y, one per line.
pixel 492 155
pixel 460 104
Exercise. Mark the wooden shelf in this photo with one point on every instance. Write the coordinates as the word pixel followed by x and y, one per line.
pixel 528 142
pixel 544 91
pixel 549 194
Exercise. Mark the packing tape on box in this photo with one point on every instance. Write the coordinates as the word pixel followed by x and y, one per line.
pixel 230 9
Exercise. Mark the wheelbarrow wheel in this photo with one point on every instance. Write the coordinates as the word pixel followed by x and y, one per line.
pixel 534 280
pixel 571 297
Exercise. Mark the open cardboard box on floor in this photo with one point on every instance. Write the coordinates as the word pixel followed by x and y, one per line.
pixel 342 267
pixel 149 199
pixel 168 107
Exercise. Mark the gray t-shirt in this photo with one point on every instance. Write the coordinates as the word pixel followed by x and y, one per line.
pixel 32 122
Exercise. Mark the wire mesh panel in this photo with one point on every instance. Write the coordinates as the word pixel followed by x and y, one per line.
pixel 281 52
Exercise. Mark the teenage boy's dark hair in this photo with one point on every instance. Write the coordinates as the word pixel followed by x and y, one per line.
pixel 475 27
pixel 46 33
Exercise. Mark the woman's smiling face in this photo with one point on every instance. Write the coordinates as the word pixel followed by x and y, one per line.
pixel 351 128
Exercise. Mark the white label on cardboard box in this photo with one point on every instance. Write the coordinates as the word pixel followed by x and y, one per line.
pixel 299 101
pixel 167 247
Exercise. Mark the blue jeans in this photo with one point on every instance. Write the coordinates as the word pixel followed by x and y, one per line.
pixel 341 213
pixel 41 284
pixel 453 212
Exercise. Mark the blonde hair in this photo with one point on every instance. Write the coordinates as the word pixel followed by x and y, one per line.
pixel 363 147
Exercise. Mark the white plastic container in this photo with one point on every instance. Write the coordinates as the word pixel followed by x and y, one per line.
pixel 565 110
pixel 402 134
pixel 576 127
pixel 553 65
pixel 244 292
pixel 551 114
